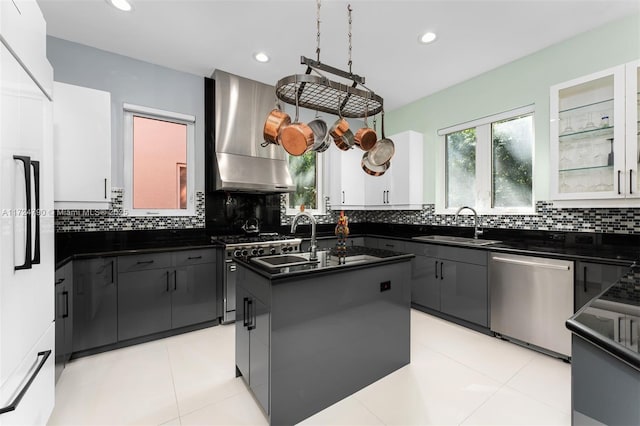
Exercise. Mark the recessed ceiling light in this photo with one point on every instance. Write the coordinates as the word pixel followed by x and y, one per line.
pixel 261 57
pixel 427 38
pixel 121 4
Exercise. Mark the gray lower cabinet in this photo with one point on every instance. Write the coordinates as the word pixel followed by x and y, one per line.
pixel 252 344
pixel 161 291
pixel 63 317
pixel 593 278
pixel 450 280
pixel 95 303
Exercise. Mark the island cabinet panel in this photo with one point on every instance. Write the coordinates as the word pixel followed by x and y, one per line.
pixel 252 344
pixel 305 342
pixel 593 278
pixel 95 303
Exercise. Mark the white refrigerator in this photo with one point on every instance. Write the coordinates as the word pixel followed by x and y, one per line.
pixel 26 218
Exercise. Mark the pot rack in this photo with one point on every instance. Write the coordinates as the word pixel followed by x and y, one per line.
pixel 319 93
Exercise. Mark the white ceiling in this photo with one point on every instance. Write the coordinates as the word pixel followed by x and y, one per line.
pixel 474 36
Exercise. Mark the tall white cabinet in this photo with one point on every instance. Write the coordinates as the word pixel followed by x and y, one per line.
pixel 82 142
pixel 26 223
pixel 594 136
pixel 400 188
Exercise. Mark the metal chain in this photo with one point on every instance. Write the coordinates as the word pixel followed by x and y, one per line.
pixel 318 25
pixel 350 61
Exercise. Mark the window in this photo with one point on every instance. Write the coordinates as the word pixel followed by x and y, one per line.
pixel 306 172
pixel 488 164
pixel 159 162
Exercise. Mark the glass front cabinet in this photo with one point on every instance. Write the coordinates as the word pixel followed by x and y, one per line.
pixel 595 135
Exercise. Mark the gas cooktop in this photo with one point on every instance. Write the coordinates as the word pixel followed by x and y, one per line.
pixel 248 239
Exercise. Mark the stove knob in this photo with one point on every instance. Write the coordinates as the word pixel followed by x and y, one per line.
pixel 260 251
pixel 254 251
pixel 289 248
pixel 237 253
pixel 272 250
pixel 245 252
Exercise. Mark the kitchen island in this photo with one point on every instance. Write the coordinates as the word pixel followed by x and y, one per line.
pixel 605 368
pixel 310 334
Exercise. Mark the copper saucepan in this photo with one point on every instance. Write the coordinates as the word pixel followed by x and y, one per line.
pixel 365 137
pixel 275 122
pixel 342 135
pixel 297 138
pixel 373 169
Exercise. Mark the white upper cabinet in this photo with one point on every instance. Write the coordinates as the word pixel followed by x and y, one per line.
pixel 400 188
pixel 82 147
pixel 593 136
pixel 346 179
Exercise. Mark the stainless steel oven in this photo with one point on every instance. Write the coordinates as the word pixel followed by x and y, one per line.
pixel 237 246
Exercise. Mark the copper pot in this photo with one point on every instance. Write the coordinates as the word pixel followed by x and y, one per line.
pixel 342 135
pixel 297 138
pixel 365 138
pixel 373 169
pixel 275 122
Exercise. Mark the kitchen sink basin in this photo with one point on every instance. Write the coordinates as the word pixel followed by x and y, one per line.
pixel 333 260
pixel 456 240
pixel 283 260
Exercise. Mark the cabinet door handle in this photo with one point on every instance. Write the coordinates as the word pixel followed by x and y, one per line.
pixel 26 163
pixel 175 280
pixel 436 268
pixel 619 171
pixel 441 274
pixel 113 280
pixel 252 315
pixel 383 194
pixel 194 257
pixel 59 281
pixel 14 404
pixel 36 189
pixel 144 262
pixel 585 279
pixel 66 304
pixel 342 197
pixel 167 281
pixel 245 322
pixel 630 332
pixel 105 188
pixel 619 329
pixel 630 183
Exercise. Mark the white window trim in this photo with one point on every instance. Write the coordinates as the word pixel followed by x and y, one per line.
pixel 129 111
pixel 483 165
pixel 321 184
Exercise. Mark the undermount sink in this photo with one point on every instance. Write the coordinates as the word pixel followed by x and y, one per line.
pixel 283 260
pixel 456 240
pixel 333 260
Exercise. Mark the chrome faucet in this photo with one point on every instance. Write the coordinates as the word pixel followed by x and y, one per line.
pixel 476 231
pixel 313 249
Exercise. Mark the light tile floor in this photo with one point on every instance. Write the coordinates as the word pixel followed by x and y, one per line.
pixel 456 377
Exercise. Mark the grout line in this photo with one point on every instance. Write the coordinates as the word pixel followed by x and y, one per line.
pixel 173 382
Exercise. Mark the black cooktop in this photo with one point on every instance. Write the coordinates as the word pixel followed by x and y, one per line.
pixel 247 239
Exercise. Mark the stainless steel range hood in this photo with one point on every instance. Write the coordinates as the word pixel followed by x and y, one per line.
pixel 242 164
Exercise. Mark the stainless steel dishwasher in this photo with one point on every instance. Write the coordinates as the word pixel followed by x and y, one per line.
pixel 531 298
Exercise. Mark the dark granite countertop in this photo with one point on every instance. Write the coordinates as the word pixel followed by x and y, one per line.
pixel 600 320
pixel 327 262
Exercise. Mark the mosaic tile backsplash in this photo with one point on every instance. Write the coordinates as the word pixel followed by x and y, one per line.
pixel 114 219
pixel 547 218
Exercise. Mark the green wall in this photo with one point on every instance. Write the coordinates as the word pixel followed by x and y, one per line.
pixel 522 82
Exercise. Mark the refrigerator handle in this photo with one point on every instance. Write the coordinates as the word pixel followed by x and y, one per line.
pixel 14 404
pixel 26 162
pixel 36 188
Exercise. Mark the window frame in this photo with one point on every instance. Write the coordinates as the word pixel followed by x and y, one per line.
pixel 129 111
pixel 484 164
pixel 321 185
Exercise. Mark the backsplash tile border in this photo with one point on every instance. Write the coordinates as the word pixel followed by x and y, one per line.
pixel 547 218
pixel 113 219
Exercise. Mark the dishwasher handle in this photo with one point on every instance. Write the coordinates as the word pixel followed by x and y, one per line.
pixel 530 263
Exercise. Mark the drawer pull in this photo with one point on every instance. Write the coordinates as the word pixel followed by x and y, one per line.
pixel 194 257
pixel 59 281
pixel 14 404
pixel 144 262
